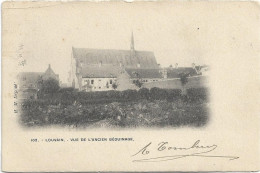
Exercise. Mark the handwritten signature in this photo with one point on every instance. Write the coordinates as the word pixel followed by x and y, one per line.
pixel 163 150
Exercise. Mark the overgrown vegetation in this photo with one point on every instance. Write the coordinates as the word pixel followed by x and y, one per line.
pixel 184 81
pixel 130 108
pixel 69 95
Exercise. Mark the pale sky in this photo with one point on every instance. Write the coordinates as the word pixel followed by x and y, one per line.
pixel 182 33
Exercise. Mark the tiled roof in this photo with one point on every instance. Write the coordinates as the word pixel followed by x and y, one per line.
pixel 30 79
pixel 49 73
pixel 115 57
pixel 105 71
pixel 175 72
pixel 143 73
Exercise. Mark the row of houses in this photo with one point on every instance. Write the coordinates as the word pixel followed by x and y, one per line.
pixel 106 69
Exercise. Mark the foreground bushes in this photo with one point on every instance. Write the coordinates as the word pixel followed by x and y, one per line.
pixel 196 94
pixel 140 113
pixel 69 96
pixel 151 108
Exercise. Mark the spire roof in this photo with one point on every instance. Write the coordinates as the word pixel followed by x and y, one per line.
pixel 132 42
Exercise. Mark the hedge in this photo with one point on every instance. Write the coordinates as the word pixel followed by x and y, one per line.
pixel 69 96
pixel 197 94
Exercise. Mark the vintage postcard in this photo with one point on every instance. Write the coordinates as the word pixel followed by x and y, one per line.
pixel 130 86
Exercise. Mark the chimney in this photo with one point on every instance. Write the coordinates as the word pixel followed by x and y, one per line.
pixel 176 65
pixel 49 65
pixel 139 65
pixel 100 63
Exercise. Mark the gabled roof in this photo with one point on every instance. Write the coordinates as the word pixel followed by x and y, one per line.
pixel 143 73
pixel 87 56
pixel 28 78
pixel 104 71
pixel 49 73
pixel 175 72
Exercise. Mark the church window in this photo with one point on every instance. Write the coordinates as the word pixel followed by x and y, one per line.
pixel 110 81
pixel 99 87
pixel 92 81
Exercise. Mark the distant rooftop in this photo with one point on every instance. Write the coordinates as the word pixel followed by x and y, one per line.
pixel 143 73
pixel 126 58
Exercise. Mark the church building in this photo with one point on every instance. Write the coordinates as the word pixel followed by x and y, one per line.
pixel 103 69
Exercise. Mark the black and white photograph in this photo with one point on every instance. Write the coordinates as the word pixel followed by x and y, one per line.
pixel 130 86
pixel 116 76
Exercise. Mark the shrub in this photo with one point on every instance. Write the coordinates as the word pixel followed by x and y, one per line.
pixel 114 86
pixel 113 94
pixel 183 78
pixel 154 93
pixel 173 94
pixel 67 90
pixel 138 83
pixel 144 93
pixel 129 94
pixel 68 96
pixel 49 86
pixel 197 94
pixel 158 94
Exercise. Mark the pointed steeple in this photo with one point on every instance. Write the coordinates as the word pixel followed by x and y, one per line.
pixel 132 51
pixel 132 42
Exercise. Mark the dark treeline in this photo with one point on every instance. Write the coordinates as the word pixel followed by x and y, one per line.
pixel 143 108
pixel 70 95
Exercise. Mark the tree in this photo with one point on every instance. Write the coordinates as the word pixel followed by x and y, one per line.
pixel 144 93
pixel 87 86
pixel 49 86
pixel 114 86
pixel 184 81
pixel 138 83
